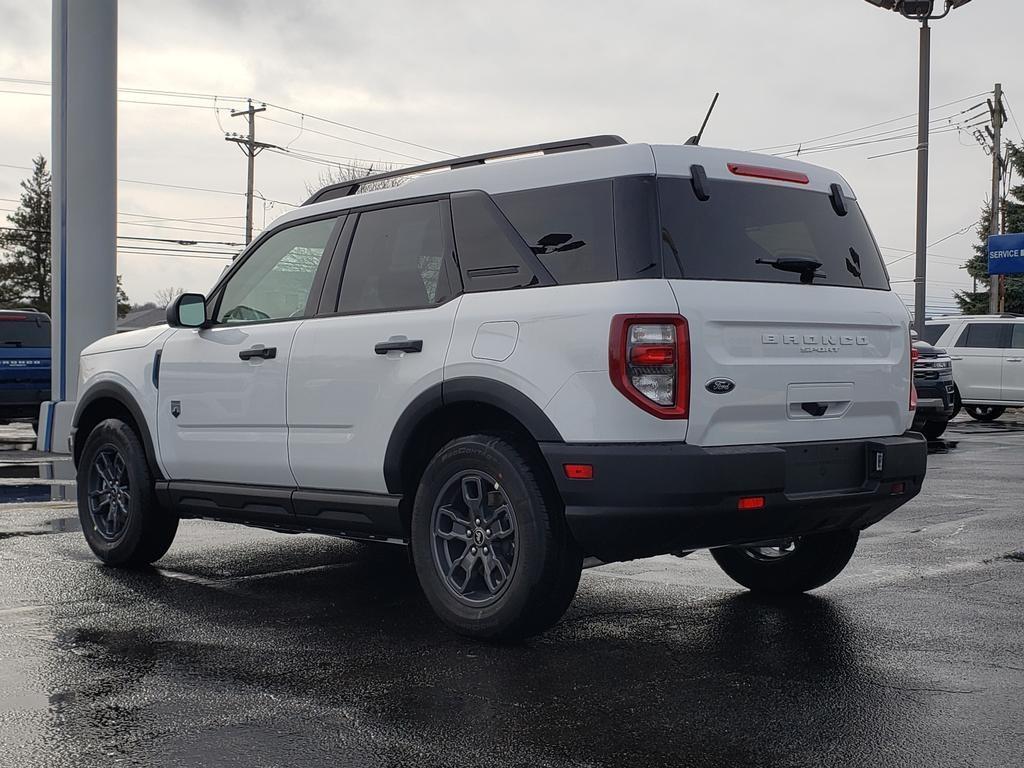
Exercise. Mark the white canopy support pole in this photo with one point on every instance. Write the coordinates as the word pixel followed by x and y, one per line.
pixel 83 225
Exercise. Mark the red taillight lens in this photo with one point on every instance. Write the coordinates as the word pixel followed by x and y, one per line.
pixel 649 362
pixel 751 502
pixel 774 174
pixel 650 354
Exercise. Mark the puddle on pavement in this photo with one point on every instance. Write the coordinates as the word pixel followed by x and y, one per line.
pixel 57 525
pixel 942 446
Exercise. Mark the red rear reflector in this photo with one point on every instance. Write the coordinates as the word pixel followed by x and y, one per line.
pixel 652 355
pixel 775 174
pixel 898 489
pixel 579 471
pixel 750 502
pixel 13 317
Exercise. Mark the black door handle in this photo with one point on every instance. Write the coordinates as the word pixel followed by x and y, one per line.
pixel 400 345
pixel 267 353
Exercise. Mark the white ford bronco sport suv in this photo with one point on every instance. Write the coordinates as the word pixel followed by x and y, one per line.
pixel 596 351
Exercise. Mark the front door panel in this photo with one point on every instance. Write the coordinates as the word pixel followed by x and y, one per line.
pixel 222 418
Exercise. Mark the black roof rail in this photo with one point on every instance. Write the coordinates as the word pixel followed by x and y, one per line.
pixel 346 188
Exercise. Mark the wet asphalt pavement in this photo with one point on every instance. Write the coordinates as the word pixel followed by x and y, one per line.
pixel 248 648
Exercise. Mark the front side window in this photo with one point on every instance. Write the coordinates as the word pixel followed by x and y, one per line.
pixel 275 280
pixel 396 260
pixel 983 335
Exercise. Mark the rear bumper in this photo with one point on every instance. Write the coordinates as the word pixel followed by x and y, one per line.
pixel 651 498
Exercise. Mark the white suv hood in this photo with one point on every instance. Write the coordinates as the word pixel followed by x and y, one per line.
pixel 128 340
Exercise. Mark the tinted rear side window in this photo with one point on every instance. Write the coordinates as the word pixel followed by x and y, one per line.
pixel 568 227
pixel 723 237
pixel 396 260
pixel 492 255
pixel 984 335
pixel 24 333
pixel 932 333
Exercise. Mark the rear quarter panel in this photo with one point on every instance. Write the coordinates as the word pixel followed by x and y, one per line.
pixel 560 356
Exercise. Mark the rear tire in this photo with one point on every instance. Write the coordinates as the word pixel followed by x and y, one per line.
pixel 123 523
pixel 515 572
pixel 810 562
pixel 933 429
pixel 984 412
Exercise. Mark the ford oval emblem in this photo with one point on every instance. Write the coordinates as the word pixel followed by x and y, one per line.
pixel 720 386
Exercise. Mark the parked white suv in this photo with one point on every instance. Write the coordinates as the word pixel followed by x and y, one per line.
pixel 988 361
pixel 598 351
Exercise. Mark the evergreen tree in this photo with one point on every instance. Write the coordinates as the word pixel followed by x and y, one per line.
pixel 25 244
pixel 25 248
pixel 977 267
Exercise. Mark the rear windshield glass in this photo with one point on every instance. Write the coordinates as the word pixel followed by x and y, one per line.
pixel 744 228
pixel 24 333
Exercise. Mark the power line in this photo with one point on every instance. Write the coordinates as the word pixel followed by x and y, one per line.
pixel 350 141
pixel 868 127
pixel 363 130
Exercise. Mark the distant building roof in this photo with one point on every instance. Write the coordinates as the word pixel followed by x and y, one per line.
pixel 142 318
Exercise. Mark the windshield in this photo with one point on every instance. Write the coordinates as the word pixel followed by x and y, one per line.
pixel 24 332
pixel 765 233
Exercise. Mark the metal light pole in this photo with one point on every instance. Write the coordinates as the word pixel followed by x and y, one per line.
pixel 922 11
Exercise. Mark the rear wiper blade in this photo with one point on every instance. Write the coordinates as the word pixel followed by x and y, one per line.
pixel 804 265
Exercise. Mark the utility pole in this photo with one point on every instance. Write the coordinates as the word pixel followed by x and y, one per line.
pixel 923 109
pixel 995 133
pixel 250 148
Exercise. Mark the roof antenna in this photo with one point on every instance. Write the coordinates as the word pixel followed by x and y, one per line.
pixel 695 140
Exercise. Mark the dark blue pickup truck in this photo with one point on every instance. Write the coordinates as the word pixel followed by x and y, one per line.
pixel 24 364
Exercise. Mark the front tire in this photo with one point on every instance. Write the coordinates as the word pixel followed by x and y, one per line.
pixel 792 567
pixel 123 523
pixel 933 430
pixel 984 412
pixel 489 541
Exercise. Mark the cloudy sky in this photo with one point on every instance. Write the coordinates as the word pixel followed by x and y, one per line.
pixel 468 75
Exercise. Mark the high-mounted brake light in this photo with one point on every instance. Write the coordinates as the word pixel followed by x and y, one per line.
pixel 774 174
pixel 649 362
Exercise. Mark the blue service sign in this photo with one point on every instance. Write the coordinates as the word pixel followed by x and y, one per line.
pixel 1006 254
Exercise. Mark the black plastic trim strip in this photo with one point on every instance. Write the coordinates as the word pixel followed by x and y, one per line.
pixel 340 513
pixel 462 390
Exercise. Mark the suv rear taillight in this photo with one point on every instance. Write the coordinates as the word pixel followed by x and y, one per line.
pixel 914 355
pixel 649 362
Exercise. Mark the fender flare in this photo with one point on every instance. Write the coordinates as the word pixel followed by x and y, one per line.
pixel 468 389
pixel 109 390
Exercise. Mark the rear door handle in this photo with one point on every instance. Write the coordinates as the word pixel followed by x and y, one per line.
pixel 399 345
pixel 1014 360
pixel 267 353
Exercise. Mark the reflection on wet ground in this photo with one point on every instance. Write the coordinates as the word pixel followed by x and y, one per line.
pixel 246 648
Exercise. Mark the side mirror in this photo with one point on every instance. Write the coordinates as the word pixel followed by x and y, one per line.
pixel 187 311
